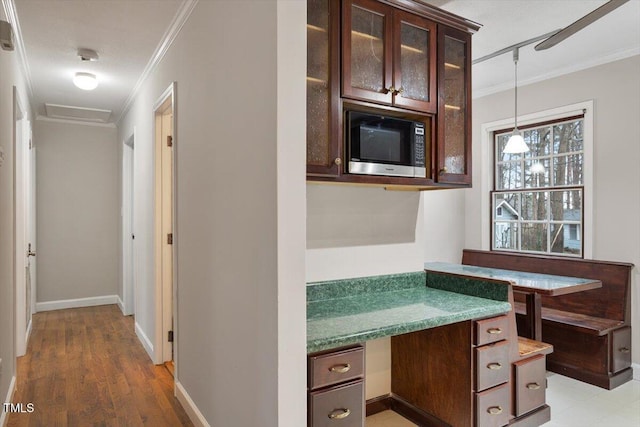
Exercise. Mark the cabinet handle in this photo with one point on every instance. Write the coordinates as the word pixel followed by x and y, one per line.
pixel 533 386
pixel 494 410
pixel 340 414
pixel 443 170
pixel 494 331
pixel 624 350
pixel 391 90
pixel 494 366
pixel 400 91
pixel 340 369
pixel 338 161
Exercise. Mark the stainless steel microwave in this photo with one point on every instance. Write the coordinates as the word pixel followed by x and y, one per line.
pixel 383 145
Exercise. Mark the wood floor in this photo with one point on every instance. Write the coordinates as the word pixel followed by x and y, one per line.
pixel 86 367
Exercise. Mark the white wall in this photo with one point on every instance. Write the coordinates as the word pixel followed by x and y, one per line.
pixel 240 209
pixel 10 73
pixel 615 91
pixel 77 210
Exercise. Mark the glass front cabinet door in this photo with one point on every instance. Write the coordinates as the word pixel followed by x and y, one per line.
pixel 323 79
pixel 388 56
pixel 454 117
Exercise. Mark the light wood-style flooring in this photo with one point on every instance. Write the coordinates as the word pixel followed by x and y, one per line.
pixel 86 367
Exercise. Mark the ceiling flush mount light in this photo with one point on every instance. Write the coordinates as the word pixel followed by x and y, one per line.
pixel 516 144
pixel 85 81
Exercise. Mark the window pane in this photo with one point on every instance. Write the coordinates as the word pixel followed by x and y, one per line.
pixel 567 170
pixel 509 204
pixel 565 239
pixel 534 237
pixel 568 137
pixel 505 235
pixel 534 206
pixel 509 176
pixel 538 140
pixel 537 173
pixel 566 205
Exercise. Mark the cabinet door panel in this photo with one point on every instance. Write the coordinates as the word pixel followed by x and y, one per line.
pixel 366 51
pixel 621 351
pixel 492 407
pixel 414 75
pixel 531 383
pixel 322 82
pixel 454 109
pixel 492 365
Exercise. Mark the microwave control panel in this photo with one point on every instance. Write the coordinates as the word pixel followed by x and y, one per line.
pixel 419 157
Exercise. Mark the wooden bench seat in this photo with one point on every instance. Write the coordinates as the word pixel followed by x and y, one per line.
pixel 590 330
pixel 581 322
pixel 528 347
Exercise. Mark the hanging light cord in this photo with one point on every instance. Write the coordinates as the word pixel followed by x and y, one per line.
pixel 516 55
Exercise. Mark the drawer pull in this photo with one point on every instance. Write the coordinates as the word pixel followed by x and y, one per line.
pixel 494 410
pixel 533 386
pixel 494 331
pixel 340 369
pixel 624 350
pixel 340 414
pixel 494 366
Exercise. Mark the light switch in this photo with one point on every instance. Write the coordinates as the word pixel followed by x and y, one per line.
pixel 1 156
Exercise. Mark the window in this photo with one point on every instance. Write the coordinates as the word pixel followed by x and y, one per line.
pixel 538 197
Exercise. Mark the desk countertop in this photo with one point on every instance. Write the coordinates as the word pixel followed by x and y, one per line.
pixel 371 308
pixel 545 284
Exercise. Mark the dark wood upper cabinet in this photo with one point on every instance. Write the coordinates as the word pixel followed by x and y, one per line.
pixel 323 82
pixel 402 58
pixel 388 56
pixel 454 107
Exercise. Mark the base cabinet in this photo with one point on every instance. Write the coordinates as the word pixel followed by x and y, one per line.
pixel 335 382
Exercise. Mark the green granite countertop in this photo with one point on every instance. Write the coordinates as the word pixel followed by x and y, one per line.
pixel 350 311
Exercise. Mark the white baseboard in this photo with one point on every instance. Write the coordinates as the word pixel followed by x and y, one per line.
pixel 190 408
pixel 9 398
pixel 76 303
pixel 146 342
pixel 636 371
pixel 121 305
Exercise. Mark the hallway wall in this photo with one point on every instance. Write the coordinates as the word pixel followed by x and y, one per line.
pixel 240 235
pixel 78 208
pixel 11 76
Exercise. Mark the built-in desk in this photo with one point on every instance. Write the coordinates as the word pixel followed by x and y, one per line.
pixel 454 351
pixel 533 285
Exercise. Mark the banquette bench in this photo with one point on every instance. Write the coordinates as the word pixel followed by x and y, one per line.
pixel 591 330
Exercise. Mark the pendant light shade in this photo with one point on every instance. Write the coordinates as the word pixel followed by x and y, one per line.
pixel 516 144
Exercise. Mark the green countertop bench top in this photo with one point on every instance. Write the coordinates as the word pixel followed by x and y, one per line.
pixel 350 311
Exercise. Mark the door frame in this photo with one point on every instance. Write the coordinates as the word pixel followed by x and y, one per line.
pixel 166 100
pixel 21 193
pixel 128 206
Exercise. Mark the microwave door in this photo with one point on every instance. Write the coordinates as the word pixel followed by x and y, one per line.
pixel 380 151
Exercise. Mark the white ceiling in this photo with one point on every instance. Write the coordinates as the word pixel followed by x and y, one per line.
pixel 126 33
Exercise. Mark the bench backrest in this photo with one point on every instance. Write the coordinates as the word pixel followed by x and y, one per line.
pixel 612 301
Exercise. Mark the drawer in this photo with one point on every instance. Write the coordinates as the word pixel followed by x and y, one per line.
pixel 621 349
pixel 491 330
pixel 339 406
pixel 492 365
pixel 336 367
pixel 531 384
pixel 492 407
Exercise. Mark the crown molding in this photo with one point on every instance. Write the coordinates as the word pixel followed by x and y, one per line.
pixel 169 36
pixel 12 15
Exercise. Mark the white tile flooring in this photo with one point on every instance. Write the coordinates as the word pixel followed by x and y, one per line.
pixel 573 404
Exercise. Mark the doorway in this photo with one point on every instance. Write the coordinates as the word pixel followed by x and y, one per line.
pixel 165 232
pixel 24 224
pixel 128 234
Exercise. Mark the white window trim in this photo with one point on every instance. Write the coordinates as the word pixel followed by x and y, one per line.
pixel 487 167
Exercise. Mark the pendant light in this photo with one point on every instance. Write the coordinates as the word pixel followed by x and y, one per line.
pixel 516 144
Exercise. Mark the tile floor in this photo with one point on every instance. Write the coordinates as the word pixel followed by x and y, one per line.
pixel 573 404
